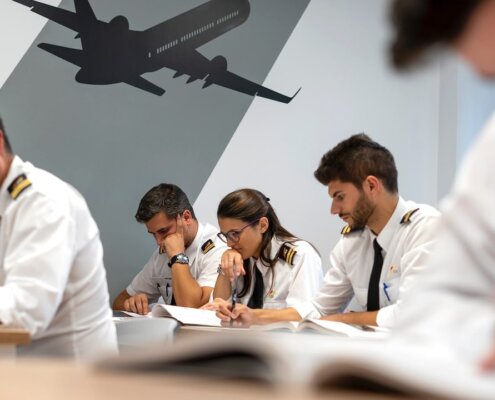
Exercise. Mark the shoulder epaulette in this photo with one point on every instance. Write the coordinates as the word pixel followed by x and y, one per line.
pixel 287 253
pixel 407 216
pixel 207 246
pixel 348 229
pixel 19 184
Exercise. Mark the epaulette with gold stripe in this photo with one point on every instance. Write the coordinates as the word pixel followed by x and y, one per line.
pixel 407 216
pixel 287 253
pixel 207 246
pixel 19 184
pixel 348 229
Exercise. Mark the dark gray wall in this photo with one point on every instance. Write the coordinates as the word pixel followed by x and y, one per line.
pixel 114 142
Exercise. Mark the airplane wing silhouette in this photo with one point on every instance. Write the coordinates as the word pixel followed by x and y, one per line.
pixel 143 84
pixel 76 57
pixel 63 17
pixel 197 66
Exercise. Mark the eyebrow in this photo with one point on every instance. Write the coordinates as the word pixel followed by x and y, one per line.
pixel 337 192
pixel 166 228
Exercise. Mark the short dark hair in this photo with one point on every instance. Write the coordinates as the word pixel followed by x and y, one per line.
pixel 165 197
pixel 5 138
pixel 355 158
pixel 419 25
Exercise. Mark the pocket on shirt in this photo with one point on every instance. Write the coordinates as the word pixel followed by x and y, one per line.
pixel 164 286
pixel 391 290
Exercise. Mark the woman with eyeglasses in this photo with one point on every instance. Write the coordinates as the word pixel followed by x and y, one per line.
pixel 266 265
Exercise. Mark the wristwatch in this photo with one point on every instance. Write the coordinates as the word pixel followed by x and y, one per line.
pixel 220 270
pixel 180 258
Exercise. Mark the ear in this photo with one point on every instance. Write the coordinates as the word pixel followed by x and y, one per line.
pixel 187 217
pixel 371 185
pixel 264 224
pixel 2 142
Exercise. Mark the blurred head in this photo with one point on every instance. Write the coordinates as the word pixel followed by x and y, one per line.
pixel 424 25
pixel 248 223
pixel 159 209
pixel 357 172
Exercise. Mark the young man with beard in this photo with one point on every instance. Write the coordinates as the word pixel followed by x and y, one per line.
pixel 384 245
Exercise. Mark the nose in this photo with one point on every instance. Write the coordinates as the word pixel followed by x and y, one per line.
pixel 334 209
pixel 158 239
pixel 230 243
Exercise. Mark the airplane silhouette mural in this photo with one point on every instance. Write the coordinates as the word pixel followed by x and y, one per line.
pixel 112 53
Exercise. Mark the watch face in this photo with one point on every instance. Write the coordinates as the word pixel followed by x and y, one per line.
pixel 180 258
pixel 183 259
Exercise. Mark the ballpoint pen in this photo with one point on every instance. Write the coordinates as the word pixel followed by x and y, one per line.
pixel 385 289
pixel 234 294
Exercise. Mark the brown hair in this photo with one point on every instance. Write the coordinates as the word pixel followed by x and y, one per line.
pixel 419 25
pixel 353 159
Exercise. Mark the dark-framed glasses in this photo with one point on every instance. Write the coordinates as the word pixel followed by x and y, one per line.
pixel 234 235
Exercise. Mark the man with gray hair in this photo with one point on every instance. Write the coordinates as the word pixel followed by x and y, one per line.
pixel 183 268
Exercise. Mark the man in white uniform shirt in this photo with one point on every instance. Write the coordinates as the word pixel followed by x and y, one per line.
pixel 456 303
pixel 383 247
pixel 183 268
pixel 52 279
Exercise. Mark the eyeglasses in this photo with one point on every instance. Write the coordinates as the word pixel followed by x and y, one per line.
pixel 234 235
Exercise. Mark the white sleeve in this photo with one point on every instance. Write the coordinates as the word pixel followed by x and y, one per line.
pixel 143 282
pixel 37 263
pixel 335 292
pixel 421 242
pixel 306 275
pixel 209 266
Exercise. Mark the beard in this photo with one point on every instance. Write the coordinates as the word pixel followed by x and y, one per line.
pixel 362 212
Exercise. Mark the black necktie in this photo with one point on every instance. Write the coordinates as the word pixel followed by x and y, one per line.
pixel 256 300
pixel 374 285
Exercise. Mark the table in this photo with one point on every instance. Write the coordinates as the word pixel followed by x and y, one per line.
pixel 53 380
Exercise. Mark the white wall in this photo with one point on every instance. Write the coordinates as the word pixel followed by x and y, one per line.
pixel 18 29
pixel 337 53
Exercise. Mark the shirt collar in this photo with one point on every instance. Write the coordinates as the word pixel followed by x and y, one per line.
pixel 16 168
pixel 388 232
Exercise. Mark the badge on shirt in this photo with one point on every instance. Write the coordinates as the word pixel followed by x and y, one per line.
pixel 18 186
pixel 392 271
pixel 287 253
pixel 207 246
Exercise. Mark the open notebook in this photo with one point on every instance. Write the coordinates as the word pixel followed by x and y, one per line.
pixel 197 317
pixel 183 315
pixel 316 362
pixel 326 327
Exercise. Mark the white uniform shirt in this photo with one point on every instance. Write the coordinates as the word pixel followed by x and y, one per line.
pixel 286 284
pixel 52 278
pixel 155 279
pixel 405 248
pixel 455 306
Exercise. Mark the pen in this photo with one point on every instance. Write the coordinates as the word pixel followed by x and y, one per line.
pixel 385 287
pixel 234 294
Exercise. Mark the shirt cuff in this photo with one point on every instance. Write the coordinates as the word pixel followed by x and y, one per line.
pixel 385 317
pixel 306 310
pixel 130 291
